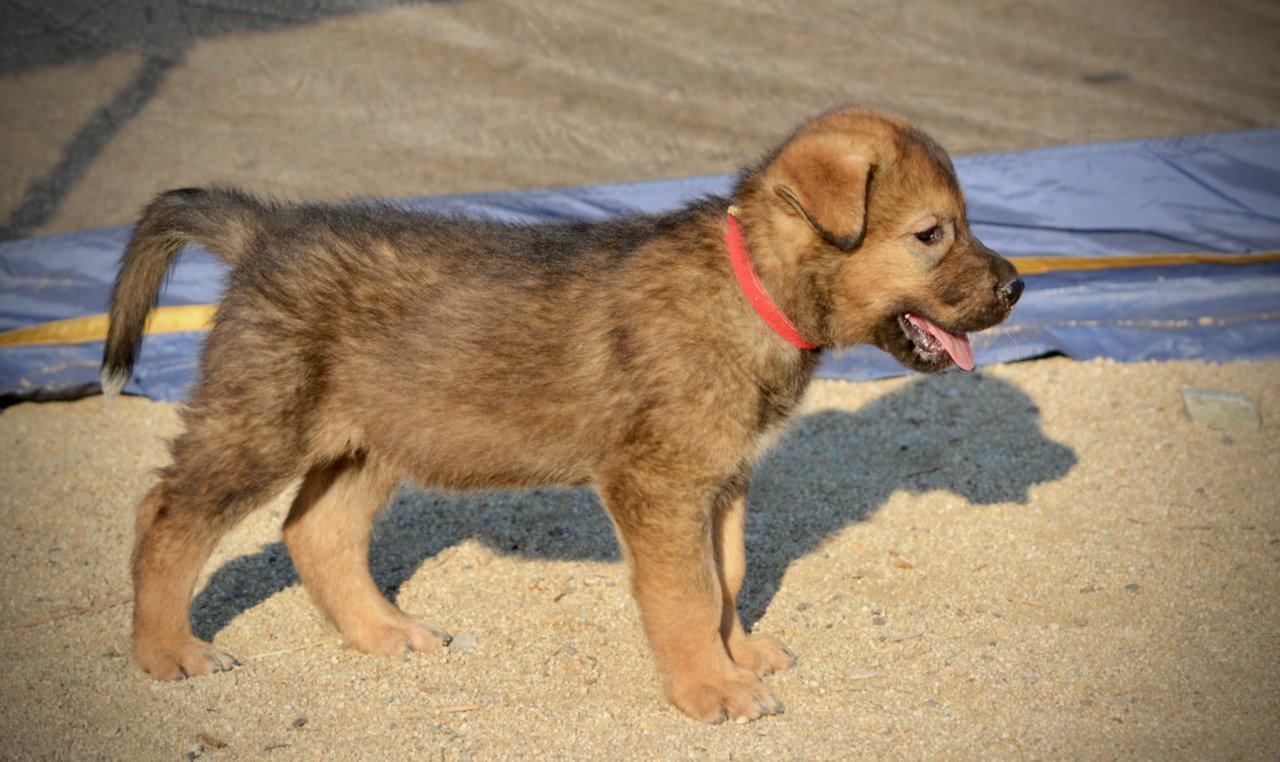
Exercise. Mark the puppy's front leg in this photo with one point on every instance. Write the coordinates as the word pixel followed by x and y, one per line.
pixel 757 652
pixel 666 531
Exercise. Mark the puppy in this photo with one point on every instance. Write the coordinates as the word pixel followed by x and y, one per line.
pixel 650 357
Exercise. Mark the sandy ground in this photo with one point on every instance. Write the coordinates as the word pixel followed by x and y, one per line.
pixel 1042 560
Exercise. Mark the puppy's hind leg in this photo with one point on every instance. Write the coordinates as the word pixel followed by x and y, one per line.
pixel 210 486
pixel 327 534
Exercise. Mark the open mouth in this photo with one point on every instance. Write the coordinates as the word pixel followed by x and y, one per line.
pixel 934 345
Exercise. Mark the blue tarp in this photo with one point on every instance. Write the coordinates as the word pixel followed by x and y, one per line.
pixel 1209 193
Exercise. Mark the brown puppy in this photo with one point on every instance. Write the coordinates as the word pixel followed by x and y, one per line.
pixel 359 345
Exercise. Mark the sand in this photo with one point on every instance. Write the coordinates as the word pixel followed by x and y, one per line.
pixel 1041 560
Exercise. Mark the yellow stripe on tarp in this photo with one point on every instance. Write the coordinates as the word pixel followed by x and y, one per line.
pixel 1042 265
pixel 197 317
pixel 189 317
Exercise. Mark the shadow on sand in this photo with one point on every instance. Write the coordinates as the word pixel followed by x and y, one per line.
pixel 973 435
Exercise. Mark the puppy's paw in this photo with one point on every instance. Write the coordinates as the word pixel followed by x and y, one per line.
pixel 189 658
pixel 424 636
pixel 760 654
pixel 738 697
pixel 397 638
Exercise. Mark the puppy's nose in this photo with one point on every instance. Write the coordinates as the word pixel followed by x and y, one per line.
pixel 1012 290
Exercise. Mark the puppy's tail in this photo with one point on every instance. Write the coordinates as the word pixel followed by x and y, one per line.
pixel 223 220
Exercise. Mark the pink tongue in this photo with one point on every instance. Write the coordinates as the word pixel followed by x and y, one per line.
pixel 956 345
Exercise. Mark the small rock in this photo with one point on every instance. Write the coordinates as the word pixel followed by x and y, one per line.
pixel 299 722
pixel 1133 587
pixel 462 643
pixel 1222 410
pixel 209 742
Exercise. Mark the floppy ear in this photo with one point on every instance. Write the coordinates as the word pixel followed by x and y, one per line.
pixel 826 180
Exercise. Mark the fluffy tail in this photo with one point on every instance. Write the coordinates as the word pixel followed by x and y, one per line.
pixel 224 221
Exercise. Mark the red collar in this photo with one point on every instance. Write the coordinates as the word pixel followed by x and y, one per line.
pixel 754 290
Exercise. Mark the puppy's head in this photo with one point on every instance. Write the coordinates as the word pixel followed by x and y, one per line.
pixel 861 213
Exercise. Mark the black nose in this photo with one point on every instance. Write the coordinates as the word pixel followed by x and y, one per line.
pixel 1012 290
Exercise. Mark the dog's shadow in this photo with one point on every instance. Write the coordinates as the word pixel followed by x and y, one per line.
pixel 973 435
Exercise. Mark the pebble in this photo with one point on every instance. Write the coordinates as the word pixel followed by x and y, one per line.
pixel 1222 410
pixel 462 643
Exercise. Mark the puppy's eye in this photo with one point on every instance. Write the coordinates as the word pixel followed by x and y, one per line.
pixel 930 236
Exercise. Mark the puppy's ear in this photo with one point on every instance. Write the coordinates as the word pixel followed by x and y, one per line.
pixel 825 178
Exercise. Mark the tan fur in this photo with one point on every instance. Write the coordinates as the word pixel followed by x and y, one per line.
pixel 360 345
